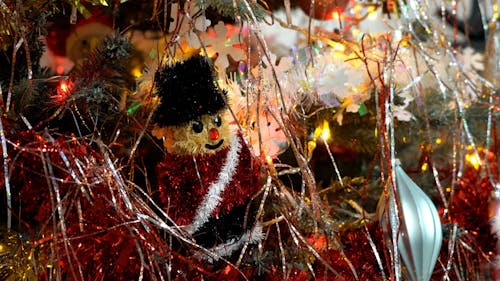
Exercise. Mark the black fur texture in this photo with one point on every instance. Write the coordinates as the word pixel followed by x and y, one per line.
pixel 187 90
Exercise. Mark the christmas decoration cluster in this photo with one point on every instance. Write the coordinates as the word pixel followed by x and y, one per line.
pixel 249 140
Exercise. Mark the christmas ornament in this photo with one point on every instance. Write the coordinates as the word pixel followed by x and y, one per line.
pixel 421 235
pixel 208 176
pixel 494 210
pixel 76 41
pixel 323 9
pixel 85 38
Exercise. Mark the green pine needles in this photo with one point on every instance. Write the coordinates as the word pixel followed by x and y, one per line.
pixel 248 9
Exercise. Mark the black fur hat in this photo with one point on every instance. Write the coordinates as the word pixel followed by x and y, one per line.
pixel 187 90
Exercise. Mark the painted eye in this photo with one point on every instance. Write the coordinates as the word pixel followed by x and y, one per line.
pixel 218 121
pixel 197 126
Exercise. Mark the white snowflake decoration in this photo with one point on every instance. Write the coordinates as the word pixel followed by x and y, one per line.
pixel 224 46
pixel 192 31
pixel 193 36
pixel 280 68
pixel 471 59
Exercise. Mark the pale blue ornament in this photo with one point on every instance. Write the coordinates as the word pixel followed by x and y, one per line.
pixel 421 234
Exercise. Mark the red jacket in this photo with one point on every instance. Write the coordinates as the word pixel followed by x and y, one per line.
pixel 196 188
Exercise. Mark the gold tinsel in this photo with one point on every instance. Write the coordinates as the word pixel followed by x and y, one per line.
pixel 17 257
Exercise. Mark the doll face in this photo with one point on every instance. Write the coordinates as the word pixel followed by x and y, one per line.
pixel 208 134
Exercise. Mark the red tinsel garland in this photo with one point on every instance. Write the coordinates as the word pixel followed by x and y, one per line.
pixel 96 236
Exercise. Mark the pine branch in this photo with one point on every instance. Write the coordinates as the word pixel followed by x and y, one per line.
pixel 227 9
pixel 104 75
pixel 95 90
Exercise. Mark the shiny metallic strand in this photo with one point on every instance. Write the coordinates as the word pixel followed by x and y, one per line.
pixel 11 84
pixel 451 250
pixel 300 239
pixel 489 126
pixel 282 252
pixel 260 212
pixel 390 141
pixel 375 252
pixel 59 211
pixel 337 171
pixel 5 157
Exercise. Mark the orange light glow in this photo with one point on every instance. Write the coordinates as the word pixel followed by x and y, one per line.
pixel 473 160
pixel 63 91
pixel 60 70
pixel 336 15
pixel 63 86
pixel 269 160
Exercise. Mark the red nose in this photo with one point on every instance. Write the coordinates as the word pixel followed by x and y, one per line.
pixel 213 134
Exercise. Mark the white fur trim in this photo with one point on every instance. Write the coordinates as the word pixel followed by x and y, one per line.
pixel 252 236
pixel 213 197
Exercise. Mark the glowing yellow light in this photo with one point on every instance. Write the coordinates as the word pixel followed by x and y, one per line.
pixel 136 72
pixel 340 47
pixel 325 134
pixel 1 248
pixel 311 145
pixel 372 14
pixel 448 189
pixel 473 159
pixel 269 160
pixel 355 32
pixel 63 86
pixel 424 167
pixel 336 15
pixel 337 46
pixel 439 141
pixel 405 43
pixel 405 139
pixel 317 132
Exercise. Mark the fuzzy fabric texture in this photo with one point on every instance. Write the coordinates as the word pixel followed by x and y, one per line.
pixel 187 90
pixel 208 194
pixel 183 140
pixel 184 182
